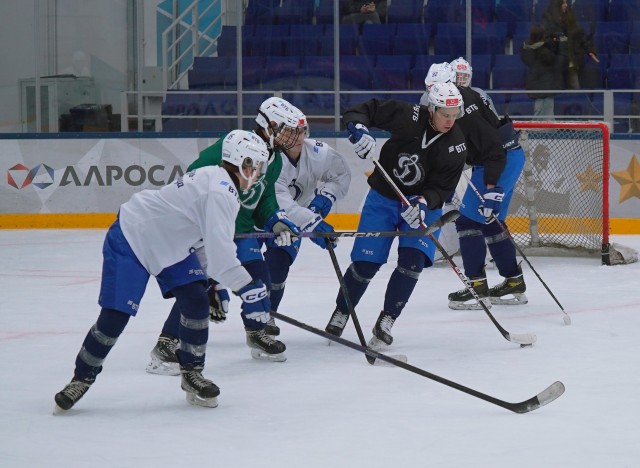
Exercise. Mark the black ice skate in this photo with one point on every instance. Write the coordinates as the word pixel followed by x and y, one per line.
pixel 337 322
pixel 513 286
pixel 69 395
pixel 381 332
pixel 163 356
pixel 458 300
pixel 272 329
pixel 265 348
pixel 200 391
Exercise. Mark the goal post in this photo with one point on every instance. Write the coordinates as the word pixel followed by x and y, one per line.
pixel 560 205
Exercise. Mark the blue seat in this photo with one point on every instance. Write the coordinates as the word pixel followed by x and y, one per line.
pixel 308 30
pixel 452 46
pixel 404 11
pixel 393 79
pixel 295 12
pixel 265 46
pixel 634 42
pixel 508 72
pixel 482 11
pixel 623 10
pixel 620 78
pixel 613 37
pixel 281 72
pixel 577 105
pixel 481 65
pixel 519 105
pixel 439 12
pixel 389 62
pixel 312 104
pixel 621 106
pixel 324 13
pixel 593 75
pixel 317 72
pixel 355 72
pixel 303 45
pixel 418 31
pixel 514 11
pixel 372 45
pixel 500 101
pixel 269 30
pixel 591 11
pixel 207 78
pixel 251 102
pixel 489 38
pixel 410 45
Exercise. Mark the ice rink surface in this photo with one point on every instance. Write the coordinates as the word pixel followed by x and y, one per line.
pixel 325 406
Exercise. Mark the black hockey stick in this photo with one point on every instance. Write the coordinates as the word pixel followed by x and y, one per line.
pixel 523 339
pixel 350 308
pixel 565 318
pixel 326 235
pixel 545 397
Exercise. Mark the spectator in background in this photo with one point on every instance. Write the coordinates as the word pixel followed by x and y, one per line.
pixel 546 60
pixel 558 18
pixel 363 11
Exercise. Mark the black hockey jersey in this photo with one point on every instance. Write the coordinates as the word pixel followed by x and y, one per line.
pixel 420 160
pixel 479 124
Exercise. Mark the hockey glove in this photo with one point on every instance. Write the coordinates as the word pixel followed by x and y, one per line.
pixel 322 241
pixel 492 201
pixel 218 302
pixel 282 225
pixel 322 203
pixel 414 214
pixel 255 301
pixel 362 141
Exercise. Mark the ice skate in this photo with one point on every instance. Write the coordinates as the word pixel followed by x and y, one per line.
pixel 265 348
pixel 200 391
pixel 464 300
pixel 163 356
pixel 272 329
pixel 382 338
pixel 337 323
pixel 69 395
pixel 513 287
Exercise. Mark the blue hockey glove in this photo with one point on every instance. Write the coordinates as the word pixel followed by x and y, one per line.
pixel 218 302
pixel 492 201
pixel 414 214
pixel 362 141
pixel 322 203
pixel 322 241
pixel 282 225
pixel 255 301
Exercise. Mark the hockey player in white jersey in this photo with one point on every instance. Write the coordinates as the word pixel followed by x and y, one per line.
pixel 313 177
pixel 153 235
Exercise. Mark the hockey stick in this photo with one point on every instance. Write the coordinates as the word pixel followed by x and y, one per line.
pixel 565 318
pixel 545 397
pixel 326 235
pixel 522 339
pixel 352 311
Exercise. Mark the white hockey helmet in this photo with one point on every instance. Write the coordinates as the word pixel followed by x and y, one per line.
pixel 248 152
pixel 462 72
pixel 438 73
pixel 444 95
pixel 282 121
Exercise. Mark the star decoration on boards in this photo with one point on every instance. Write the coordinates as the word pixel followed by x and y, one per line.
pixel 629 180
pixel 590 180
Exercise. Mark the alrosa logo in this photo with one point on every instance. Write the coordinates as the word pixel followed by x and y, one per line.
pixel 42 176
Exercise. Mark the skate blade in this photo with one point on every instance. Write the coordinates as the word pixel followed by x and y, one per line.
pixel 260 355
pixel 517 299
pixel 163 368
pixel 57 410
pixel 398 357
pixel 377 345
pixel 454 305
pixel 195 400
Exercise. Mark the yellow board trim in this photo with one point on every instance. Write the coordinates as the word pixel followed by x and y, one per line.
pixel 341 222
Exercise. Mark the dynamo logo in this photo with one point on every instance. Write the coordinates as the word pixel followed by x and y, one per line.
pixel 20 176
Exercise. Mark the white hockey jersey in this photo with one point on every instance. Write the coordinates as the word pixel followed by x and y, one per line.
pixel 162 225
pixel 319 167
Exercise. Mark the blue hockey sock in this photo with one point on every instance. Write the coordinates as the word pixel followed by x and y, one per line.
pixel 193 331
pixel 171 326
pixel 472 246
pixel 403 280
pixel 357 279
pixel 278 261
pixel 98 342
pixel 502 249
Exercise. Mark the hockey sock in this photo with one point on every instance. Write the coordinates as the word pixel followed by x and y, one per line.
pixel 278 261
pixel 98 342
pixel 502 249
pixel 472 245
pixel 259 271
pixel 403 280
pixel 193 303
pixel 357 279
pixel 172 325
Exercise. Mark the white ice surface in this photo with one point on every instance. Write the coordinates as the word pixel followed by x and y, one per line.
pixel 325 406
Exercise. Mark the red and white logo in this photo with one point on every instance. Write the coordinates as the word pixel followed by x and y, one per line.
pixel 453 102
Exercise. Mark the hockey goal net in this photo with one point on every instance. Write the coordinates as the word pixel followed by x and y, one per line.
pixel 560 205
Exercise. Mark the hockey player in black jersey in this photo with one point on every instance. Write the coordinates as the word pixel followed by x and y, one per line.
pixel 425 157
pixel 497 159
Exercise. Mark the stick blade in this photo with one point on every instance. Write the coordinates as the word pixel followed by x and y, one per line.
pixel 549 394
pixel 379 362
pixel 523 339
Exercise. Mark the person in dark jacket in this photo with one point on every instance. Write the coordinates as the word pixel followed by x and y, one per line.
pixel 557 19
pixel 546 59
pixel 364 11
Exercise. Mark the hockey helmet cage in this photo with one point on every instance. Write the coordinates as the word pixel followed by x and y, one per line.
pixel 444 95
pixel 462 72
pixel 289 122
pixel 248 152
